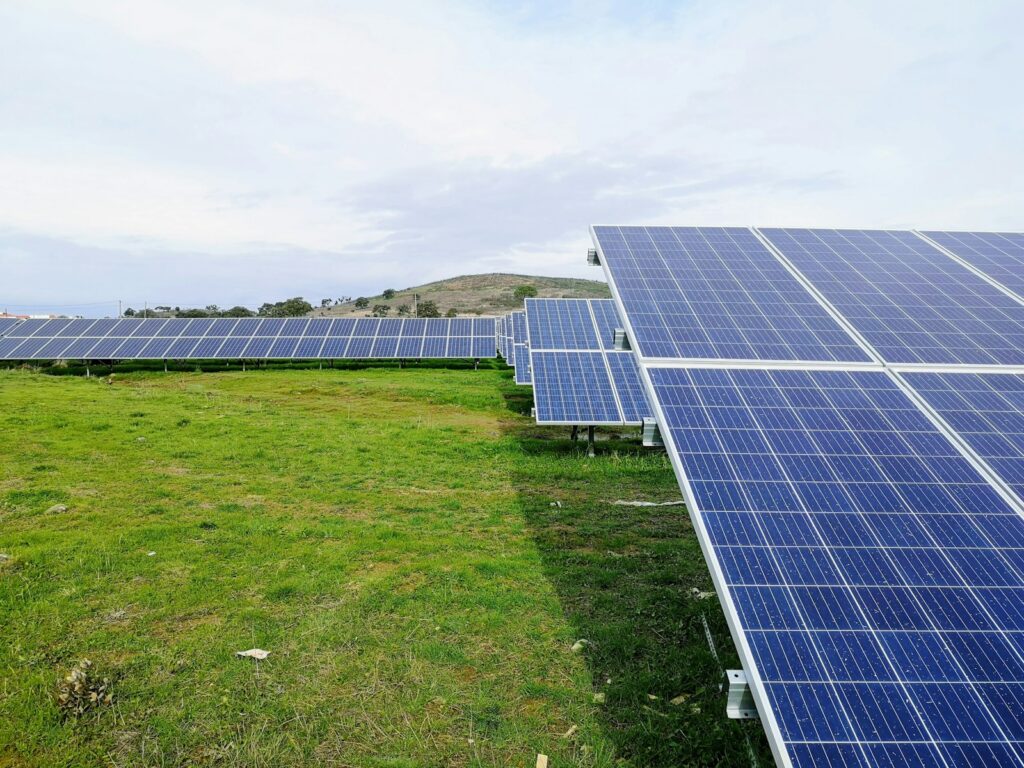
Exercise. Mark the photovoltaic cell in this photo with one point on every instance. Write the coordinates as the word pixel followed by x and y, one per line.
pixel 911 302
pixel 875 577
pixel 1000 255
pixel 716 293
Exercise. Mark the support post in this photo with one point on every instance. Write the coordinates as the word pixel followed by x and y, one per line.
pixel 590 441
pixel 476 364
pixel 575 434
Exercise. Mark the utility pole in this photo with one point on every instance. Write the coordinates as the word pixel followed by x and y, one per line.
pixel 119 308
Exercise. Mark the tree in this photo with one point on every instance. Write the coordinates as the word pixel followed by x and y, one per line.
pixel 193 313
pixel 129 312
pixel 325 303
pixel 362 302
pixel 403 310
pixel 451 313
pixel 427 309
pixel 381 310
pixel 389 293
pixel 296 307
pixel 237 311
pixel 524 292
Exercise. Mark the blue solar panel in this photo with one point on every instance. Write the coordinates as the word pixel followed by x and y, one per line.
pixel 874 576
pixel 522 356
pixel 560 324
pixel 718 293
pixel 519 335
pixel 334 347
pixel 580 387
pixel 607 317
pixel 460 346
pixel 987 410
pixel 309 347
pixel 568 324
pixel 1000 255
pixel 629 387
pixel 7 324
pixel 911 302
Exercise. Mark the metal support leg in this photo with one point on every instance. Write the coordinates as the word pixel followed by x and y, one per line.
pixel 590 441
pixel 575 434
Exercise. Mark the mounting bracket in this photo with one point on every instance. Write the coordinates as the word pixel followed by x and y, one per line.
pixel 652 434
pixel 740 703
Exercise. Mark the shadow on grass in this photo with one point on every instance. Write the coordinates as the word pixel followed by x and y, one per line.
pixel 626 578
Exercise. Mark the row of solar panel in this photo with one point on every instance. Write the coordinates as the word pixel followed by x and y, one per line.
pixel 254 338
pixel 735 293
pixel 578 378
pixel 512 345
pixel 239 347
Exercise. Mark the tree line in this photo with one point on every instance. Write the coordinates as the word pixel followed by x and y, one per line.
pixel 299 307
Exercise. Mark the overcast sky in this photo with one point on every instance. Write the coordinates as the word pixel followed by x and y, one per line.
pixel 187 153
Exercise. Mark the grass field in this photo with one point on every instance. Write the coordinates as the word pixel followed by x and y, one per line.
pixel 393 538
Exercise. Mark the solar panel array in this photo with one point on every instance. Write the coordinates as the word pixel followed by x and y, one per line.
pixel 578 378
pixel 251 338
pixel 7 324
pixel 861 514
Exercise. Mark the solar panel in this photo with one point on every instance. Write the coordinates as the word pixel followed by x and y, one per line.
pixel 873 578
pixel 910 301
pixel 579 387
pixel 716 293
pixel 563 325
pixel 560 324
pixel 279 338
pixel 986 410
pixel 628 386
pixel 7 324
pixel 1000 255
pixel 522 356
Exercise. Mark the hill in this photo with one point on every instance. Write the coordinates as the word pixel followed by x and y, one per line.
pixel 489 294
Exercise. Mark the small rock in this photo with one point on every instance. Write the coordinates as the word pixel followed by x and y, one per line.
pixel 599 698
pixel 254 653
pixel 701 595
pixel 556 504
pixel 57 508
pixel 150 554
pixel 570 733
pixel 679 699
pixel 4 557
pixel 652 697
pixel 140 439
pixel 579 645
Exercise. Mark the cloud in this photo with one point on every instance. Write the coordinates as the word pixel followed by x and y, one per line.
pixel 399 141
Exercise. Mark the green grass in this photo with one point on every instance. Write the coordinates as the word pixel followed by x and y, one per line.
pixel 387 535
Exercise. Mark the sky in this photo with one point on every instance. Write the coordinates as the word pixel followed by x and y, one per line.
pixel 188 152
